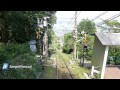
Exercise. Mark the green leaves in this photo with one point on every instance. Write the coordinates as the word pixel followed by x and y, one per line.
pixel 115 53
pixel 15 55
pixel 114 25
pixel 20 26
pixel 51 34
pixel 68 43
pixel 87 26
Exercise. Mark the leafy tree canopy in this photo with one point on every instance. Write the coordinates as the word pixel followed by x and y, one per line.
pixel 87 26
pixel 20 26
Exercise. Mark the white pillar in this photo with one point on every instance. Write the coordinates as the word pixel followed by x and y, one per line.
pixel 92 71
pixel 104 62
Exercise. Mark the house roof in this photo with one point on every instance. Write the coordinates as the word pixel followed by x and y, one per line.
pixel 109 38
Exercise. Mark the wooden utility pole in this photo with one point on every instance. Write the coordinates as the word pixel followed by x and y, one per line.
pixel 83 57
pixel 45 24
pixel 38 32
pixel 75 35
pixel 46 43
pixel 54 42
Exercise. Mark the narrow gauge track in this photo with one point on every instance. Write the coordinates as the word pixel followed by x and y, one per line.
pixel 62 69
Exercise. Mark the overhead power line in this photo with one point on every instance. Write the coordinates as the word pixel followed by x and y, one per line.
pixel 99 15
pixel 72 21
pixel 111 18
pixel 65 18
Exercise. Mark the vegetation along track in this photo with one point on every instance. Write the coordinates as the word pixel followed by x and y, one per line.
pixel 62 69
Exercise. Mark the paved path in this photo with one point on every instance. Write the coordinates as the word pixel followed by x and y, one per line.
pixel 112 72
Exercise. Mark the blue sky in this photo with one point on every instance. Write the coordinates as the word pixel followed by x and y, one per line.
pixel 65 19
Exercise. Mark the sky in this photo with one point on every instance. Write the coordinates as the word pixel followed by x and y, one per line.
pixel 65 19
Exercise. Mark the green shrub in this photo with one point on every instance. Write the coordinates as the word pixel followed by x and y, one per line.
pixel 17 49
pixel 117 62
pixel 97 76
pixel 18 54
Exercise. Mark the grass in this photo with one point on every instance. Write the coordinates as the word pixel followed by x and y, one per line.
pixel 49 73
pixel 76 70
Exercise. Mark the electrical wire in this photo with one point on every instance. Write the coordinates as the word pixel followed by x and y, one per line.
pixel 99 15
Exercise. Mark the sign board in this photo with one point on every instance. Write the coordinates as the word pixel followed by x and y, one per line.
pixel 33 48
pixel 32 44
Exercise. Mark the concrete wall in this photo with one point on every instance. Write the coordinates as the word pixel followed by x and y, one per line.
pixel 99 57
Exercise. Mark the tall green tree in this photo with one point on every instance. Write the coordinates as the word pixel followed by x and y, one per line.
pixel 68 43
pixel 113 25
pixel 20 26
pixel 87 26
pixel 51 34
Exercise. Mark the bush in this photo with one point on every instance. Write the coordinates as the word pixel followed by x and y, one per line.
pixel 97 76
pixel 17 49
pixel 117 60
pixel 108 61
pixel 15 55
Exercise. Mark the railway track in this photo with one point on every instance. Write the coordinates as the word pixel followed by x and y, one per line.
pixel 62 69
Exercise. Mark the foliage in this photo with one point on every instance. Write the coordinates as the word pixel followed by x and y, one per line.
pixel 97 76
pixel 76 70
pixel 51 34
pixel 20 26
pixel 68 43
pixel 90 43
pixel 87 26
pixel 58 46
pixel 90 46
pixel 18 54
pixel 112 25
pixel 115 53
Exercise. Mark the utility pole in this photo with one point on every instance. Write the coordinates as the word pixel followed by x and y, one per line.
pixel 54 42
pixel 45 24
pixel 38 32
pixel 75 35
pixel 46 38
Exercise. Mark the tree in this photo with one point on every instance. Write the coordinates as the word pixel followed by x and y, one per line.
pixel 111 26
pixel 68 43
pixel 87 26
pixel 51 34
pixel 115 53
pixel 20 26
